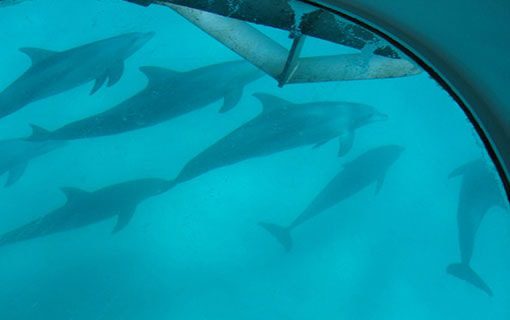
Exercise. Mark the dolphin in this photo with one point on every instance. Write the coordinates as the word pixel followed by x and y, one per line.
pixel 283 125
pixel 84 208
pixel 17 153
pixel 55 72
pixel 167 95
pixel 478 194
pixel 370 167
pixel 5 3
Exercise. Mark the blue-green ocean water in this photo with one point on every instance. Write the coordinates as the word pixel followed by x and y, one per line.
pixel 197 252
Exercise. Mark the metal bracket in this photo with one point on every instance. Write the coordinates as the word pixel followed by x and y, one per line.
pixel 292 62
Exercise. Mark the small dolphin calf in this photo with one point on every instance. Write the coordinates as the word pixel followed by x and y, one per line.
pixel 167 95
pixel 368 168
pixel 54 72
pixel 85 208
pixel 281 126
pixel 15 155
pixel 478 194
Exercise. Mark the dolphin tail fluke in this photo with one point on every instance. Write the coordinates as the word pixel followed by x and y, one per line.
pixel 282 234
pixel 464 272
pixel 39 134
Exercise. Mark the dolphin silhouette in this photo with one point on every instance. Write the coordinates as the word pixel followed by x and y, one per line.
pixel 6 3
pixel 283 125
pixel 84 208
pixel 355 176
pixel 17 153
pixel 54 72
pixel 167 95
pixel 478 194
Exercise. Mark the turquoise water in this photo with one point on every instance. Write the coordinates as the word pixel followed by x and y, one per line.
pixel 197 251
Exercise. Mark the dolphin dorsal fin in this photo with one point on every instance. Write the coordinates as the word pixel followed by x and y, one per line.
pixel 158 74
pixel 72 193
pixel 37 55
pixel 271 103
pixel 38 133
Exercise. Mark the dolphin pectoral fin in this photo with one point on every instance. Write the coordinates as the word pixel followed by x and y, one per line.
pixel 16 173
pixel 37 55
pixel 281 234
pixel 346 141
pixel 115 73
pixel 73 194
pixel 464 272
pixel 123 219
pixel 379 184
pixel 231 99
pixel 98 84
